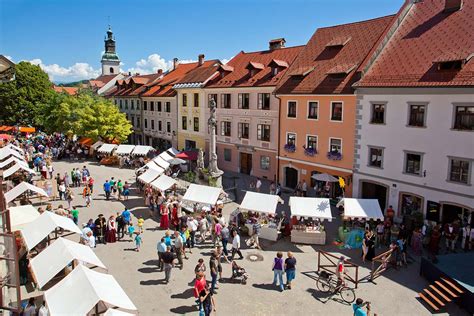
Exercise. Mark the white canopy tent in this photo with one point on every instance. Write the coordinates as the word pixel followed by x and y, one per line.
pixel 116 312
pixel 22 188
pixel 163 183
pixel 150 175
pixel 40 228
pixel 107 148
pixel 15 168
pixel 13 159
pixel 22 215
pixel 57 256
pixel 125 149
pixel 97 144
pixel 310 207
pixel 82 289
pixel 202 194
pixel 361 208
pixel 324 177
pixel 166 156
pixel 162 162
pixel 173 151
pixel 18 149
pixel 260 202
pixel 6 152
pixel 141 150
pixel 177 161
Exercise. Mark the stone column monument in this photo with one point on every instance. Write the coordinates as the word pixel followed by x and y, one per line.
pixel 214 171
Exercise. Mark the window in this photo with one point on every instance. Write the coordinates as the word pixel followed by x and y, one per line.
pixel 132 105
pixel 138 121
pixel 226 128
pixel 450 65
pixel 244 130
pixel 416 115
pixel 145 123
pixel 378 113
pixel 132 120
pixel 126 104
pixel 184 123
pixel 158 106
pixel 413 163
pixel 291 139
pixel 120 102
pixel 138 104
pixel 196 100
pixel 311 142
pixel 212 97
pixel 160 126
pixel 185 99
pixel 196 124
pixel 168 107
pixel 115 101
pixel 291 109
pixel 336 111
pixel 153 124
pixel 263 132
pixel 227 154
pixel 335 145
pixel 313 110
pixel 264 101
pixel 264 162
pixel 464 118
pixel 459 170
pixel 145 106
pixel 375 157
pixel 225 100
pixel 244 101
pixel 168 127
pixel 152 106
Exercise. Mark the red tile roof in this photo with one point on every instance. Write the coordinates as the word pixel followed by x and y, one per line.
pixel 102 80
pixel 261 61
pixel 68 90
pixel 200 73
pixel 133 86
pixel 426 37
pixel 329 47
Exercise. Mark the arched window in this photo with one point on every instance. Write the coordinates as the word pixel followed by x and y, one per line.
pixel 111 70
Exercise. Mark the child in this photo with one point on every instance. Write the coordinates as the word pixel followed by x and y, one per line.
pixel 140 224
pixel 75 215
pixel 138 241
pixel 131 230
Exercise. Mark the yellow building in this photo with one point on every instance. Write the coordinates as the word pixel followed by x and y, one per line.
pixel 192 102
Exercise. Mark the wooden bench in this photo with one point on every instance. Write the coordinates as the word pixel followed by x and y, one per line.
pixel 434 297
pixel 434 288
pixel 441 285
pixel 451 284
pixel 433 306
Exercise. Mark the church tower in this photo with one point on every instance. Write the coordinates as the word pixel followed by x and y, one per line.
pixel 110 60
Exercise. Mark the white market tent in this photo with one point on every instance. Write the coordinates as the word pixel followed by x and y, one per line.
pixel 165 156
pixel 15 148
pixel 310 207
pixel 40 228
pixel 163 183
pixel 82 289
pixel 173 151
pixel 6 152
pixel 97 144
pixel 125 149
pixel 150 175
pixel 260 202
pixel 141 150
pixel 202 194
pixel 13 159
pixel 15 168
pixel 162 162
pixel 22 188
pixel 116 312
pixel 361 208
pixel 22 215
pixel 59 255
pixel 107 148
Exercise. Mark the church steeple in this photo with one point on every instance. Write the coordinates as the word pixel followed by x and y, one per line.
pixel 110 60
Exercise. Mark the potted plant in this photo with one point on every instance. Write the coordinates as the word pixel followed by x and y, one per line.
pixel 308 151
pixel 334 155
pixel 291 148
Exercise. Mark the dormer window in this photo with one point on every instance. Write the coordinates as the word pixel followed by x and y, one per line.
pixel 341 71
pixel 451 61
pixel 300 72
pixel 254 68
pixel 274 71
pixel 224 70
pixel 338 42
pixel 450 65
pixel 277 65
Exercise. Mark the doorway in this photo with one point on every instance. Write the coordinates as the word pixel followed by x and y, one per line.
pixel 291 177
pixel 452 212
pixel 372 190
pixel 245 163
pixel 189 144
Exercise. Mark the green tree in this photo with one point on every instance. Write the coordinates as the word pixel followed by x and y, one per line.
pixel 23 99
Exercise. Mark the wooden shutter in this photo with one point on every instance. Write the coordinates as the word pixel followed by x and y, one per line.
pixel 240 100
pixel 260 101
pixel 239 130
pixel 259 131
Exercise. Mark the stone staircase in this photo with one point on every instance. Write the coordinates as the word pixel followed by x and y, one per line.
pixel 440 293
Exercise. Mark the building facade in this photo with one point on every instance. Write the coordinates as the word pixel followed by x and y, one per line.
pixel 415 115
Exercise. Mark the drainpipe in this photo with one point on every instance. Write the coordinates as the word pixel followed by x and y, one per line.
pixel 278 147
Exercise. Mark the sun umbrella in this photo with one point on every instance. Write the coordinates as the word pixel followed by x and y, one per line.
pixel 324 177
pixel 177 161
pixel 5 136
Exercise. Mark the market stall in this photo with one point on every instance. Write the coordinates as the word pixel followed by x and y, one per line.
pixel 266 205
pixel 15 168
pixel 7 152
pixel 309 230
pixel 173 151
pixel 166 156
pixel 4 164
pixel 20 216
pixel 141 150
pixel 150 175
pixel 202 194
pixel 163 183
pixel 160 161
pixel 124 150
pixel 107 148
pixel 22 188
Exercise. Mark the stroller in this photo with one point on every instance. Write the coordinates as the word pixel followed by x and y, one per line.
pixel 239 273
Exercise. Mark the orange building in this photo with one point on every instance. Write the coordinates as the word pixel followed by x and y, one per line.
pixel 318 105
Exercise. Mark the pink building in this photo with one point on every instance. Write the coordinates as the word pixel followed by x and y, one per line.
pixel 247 110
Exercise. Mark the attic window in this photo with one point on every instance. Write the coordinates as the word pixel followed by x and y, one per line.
pixel 452 61
pixel 254 67
pixel 452 5
pixel 301 71
pixel 338 42
pixel 341 70
pixel 450 65
pixel 274 71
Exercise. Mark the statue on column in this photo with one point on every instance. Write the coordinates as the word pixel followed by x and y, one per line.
pixel 214 171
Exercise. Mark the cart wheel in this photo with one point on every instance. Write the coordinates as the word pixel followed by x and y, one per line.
pixel 322 286
pixel 348 295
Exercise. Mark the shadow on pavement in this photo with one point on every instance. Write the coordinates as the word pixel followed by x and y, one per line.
pixel 185 295
pixel 151 262
pixel 184 309
pixel 153 282
pixel 148 270
pixel 266 286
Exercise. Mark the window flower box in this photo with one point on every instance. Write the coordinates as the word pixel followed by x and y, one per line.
pixel 334 155
pixel 310 151
pixel 291 148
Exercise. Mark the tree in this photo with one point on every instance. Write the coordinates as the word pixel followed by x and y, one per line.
pixel 22 99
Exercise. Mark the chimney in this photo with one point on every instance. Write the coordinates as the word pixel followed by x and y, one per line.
pixel 452 5
pixel 201 59
pixel 129 73
pixel 276 43
pixel 175 63
pixel 159 71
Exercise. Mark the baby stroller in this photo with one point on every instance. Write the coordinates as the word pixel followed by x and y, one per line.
pixel 239 273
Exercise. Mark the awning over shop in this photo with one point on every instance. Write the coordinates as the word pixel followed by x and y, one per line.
pixel 141 150
pixel 14 147
pixel 107 148
pixel 24 129
pixel 188 155
pixel 22 215
pixel 124 149
pixel 86 141
pixel 5 128
pixel 6 152
pixel 150 175
pixel 12 159
pixel 324 177
pixel 202 194
pixel 310 207
pixel 59 255
pixel 165 156
pixel 97 144
pixel 22 188
pixel 162 162
pixel 260 202
pixel 15 168
pixel 40 228
pixel 82 289
pixel 153 166
pixel 163 183
pixel 361 208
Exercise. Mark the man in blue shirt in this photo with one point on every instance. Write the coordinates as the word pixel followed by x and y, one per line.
pixel 161 248
pixel 126 216
pixel 357 307
pixel 107 189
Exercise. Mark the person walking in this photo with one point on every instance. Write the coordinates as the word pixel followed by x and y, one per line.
pixel 178 248
pixel 69 197
pixel 207 303
pixel 90 183
pixel 161 249
pixel 86 194
pixel 278 270
pixel 236 245
pixel 192 224
pixel 62 191
pixel 290 269
pixel 111 230
pixel 358 308
pixel 213 268
pixel 75 215
pixel 138 241
pixel 107 189
pixel 304 188
pixel 167 259
pixel 120 189
pixel 120 226
pixel 200 267
pixel 225 235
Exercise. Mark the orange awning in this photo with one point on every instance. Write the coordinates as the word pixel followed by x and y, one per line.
pixel 7 128
pixel 27 129
pixel 86 141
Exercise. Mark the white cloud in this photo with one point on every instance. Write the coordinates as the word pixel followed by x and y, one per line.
pixel 78 71
pixel 152 63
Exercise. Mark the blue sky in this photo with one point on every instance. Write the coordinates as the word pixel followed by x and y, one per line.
pixel 66 36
